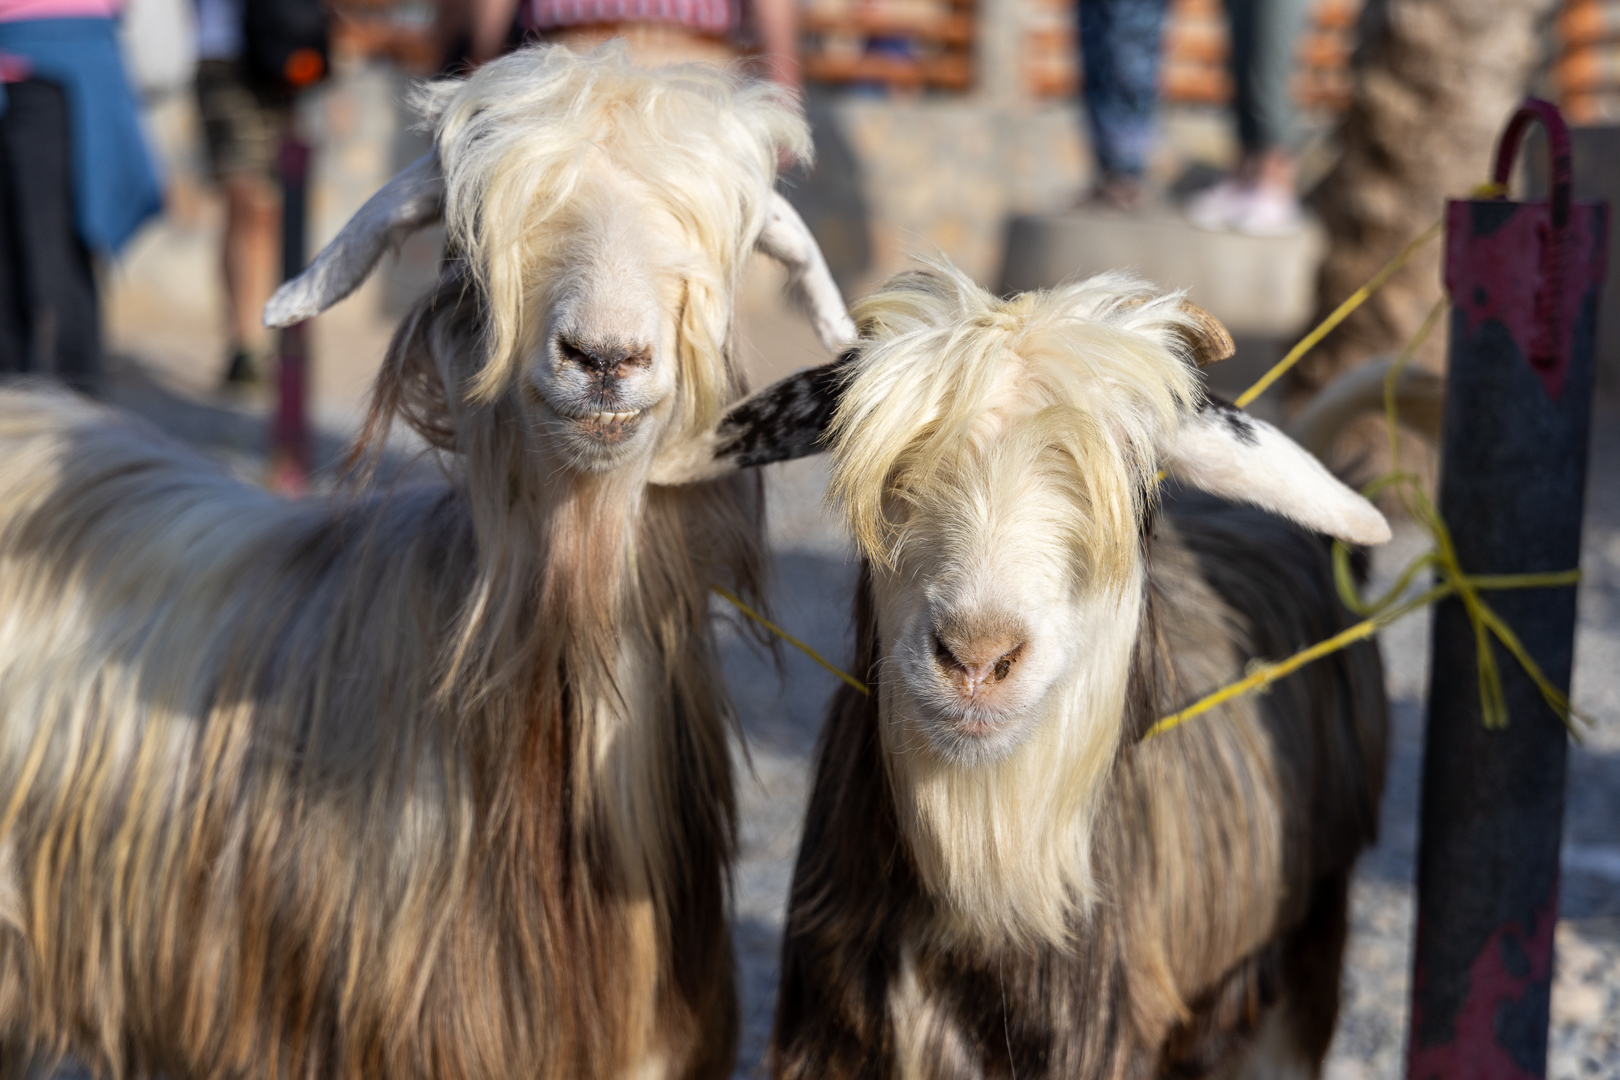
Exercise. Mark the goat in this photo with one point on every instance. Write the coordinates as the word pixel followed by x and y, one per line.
pixel 430 781
pixel 997 876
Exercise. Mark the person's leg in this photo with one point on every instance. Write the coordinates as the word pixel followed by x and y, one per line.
pixel 64 314
pixel 1265 39
pixel 1119 55
pixel 244 139
pixel 251 257
pixel 1261 199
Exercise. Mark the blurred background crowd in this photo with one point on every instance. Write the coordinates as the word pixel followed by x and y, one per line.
pixel 1266 154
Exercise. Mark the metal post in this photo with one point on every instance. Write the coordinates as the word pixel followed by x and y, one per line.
pixel 1524 279
pixel 289 433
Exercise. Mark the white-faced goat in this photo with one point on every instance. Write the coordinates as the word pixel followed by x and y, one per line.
pixel 998 876
pixel 428 782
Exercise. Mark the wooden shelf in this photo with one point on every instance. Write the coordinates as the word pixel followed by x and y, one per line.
pixel 952 29
pixel 950 72
pixel 1588 22
pixel 901 45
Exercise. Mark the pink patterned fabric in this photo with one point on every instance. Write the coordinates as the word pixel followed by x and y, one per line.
pixel 18 10
pixel 704 16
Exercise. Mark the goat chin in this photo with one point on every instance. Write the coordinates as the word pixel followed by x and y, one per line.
pixel 1002 834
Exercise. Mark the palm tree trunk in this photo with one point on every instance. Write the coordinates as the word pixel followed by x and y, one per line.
pixel 1435 82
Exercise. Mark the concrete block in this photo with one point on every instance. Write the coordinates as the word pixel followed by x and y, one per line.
pixel 1264 287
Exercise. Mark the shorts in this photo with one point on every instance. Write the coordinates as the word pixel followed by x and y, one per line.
pixel 243 129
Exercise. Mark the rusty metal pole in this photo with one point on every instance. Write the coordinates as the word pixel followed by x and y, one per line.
pixel 1524 280
pixel 289 430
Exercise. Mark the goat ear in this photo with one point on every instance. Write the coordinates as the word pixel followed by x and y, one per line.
pixel 786 238
pixel 1228 453
pixel 786 420
pixel 1206 338
pixel 411 200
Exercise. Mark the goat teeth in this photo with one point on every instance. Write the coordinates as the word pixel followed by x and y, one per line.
pixel 607 417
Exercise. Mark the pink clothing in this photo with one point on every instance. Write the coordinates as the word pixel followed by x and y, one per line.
pixel 705 16
pixel 20 10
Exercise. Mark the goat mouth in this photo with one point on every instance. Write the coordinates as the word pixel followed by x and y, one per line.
pixel 607 427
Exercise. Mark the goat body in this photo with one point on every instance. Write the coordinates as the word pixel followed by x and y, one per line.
pixel 252 830
pixel 998 877
pixel 1222 858
pixel 435 781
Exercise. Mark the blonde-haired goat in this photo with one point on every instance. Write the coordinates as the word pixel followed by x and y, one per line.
pixel 427 782
pixel 998 877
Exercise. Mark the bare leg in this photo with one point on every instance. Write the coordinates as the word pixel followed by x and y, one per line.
pixel 252 254
pixel 1275 170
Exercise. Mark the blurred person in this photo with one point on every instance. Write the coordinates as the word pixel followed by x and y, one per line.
pixel 245 121
pixel 76 181
pixel 656 31
pixel 1119 60
pixel 1261 198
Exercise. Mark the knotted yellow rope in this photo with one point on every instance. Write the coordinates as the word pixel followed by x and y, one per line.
pixel 1442 558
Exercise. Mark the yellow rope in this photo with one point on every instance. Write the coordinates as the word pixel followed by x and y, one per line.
pixel 1340 313
pixel 1355 300
pixel 789 638
pixel 1442 558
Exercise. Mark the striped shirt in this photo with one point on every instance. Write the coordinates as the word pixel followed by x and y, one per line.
pixel 20 10
pixel 705 16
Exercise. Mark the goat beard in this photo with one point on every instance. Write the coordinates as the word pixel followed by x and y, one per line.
pixel 1005 846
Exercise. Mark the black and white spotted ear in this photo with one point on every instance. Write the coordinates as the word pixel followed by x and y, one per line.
pixel 787 239
pixel 1226 452
pixel 410 201
pixel 786 420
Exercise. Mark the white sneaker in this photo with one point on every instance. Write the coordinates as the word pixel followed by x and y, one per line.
pixel 1215 208
pixel 1268 212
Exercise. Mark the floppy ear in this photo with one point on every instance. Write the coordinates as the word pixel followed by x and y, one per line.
pixel 408 202
pixel 786 238
pixel 783 421
pixel 1228 453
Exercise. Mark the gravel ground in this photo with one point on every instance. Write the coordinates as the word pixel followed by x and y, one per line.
pixel 780 699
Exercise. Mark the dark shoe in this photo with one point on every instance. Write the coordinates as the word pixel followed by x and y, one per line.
pixel 243 370
pixel 1123 193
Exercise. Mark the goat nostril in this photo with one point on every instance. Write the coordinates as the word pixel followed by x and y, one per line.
pixel 971 666
pixel 575 354
pixel 604 358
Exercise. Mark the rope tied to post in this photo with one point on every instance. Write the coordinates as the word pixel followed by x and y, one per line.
pixel 1441 558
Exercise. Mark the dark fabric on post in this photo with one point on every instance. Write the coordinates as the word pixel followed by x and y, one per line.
pixel 49 319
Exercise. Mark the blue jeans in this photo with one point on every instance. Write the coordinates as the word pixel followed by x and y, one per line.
pixel 1119 53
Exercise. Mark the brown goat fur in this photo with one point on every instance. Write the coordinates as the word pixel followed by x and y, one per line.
pixel 420 781
pixel 1000 875
pixel 1222 860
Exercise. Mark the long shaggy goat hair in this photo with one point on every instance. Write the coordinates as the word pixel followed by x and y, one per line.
pixel 998 878
pixel 420 782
